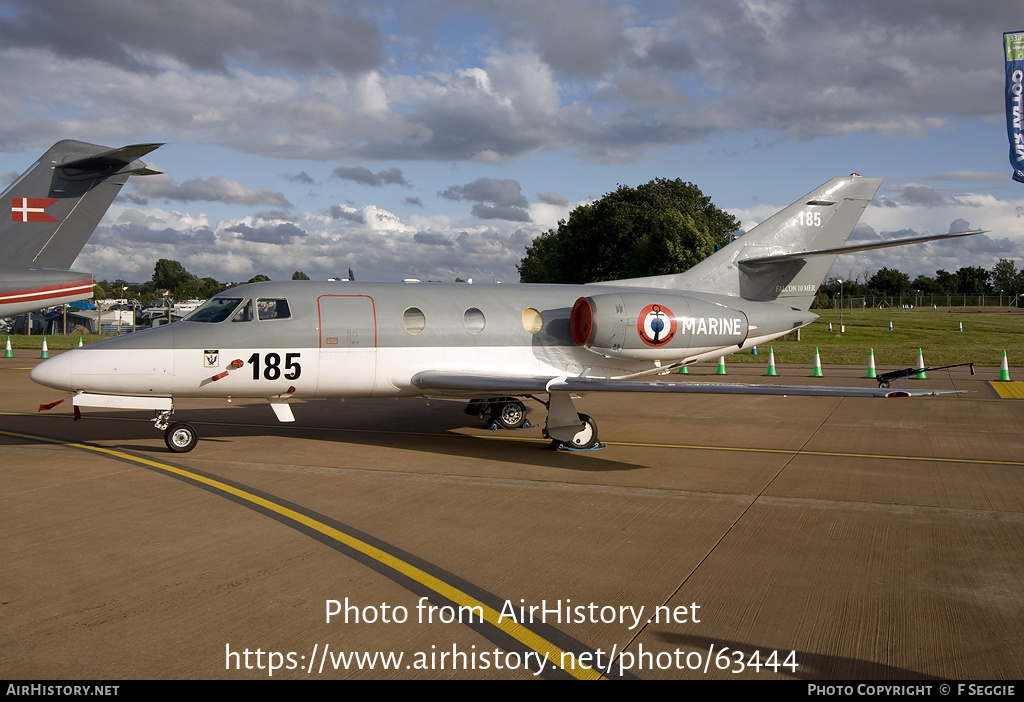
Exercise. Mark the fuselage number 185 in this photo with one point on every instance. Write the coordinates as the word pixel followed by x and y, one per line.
pixel 272 366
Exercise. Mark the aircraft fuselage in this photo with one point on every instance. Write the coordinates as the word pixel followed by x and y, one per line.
pixel 28 289
pixel 341 339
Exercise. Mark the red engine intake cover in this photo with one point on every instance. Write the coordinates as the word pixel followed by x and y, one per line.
pixel 581 321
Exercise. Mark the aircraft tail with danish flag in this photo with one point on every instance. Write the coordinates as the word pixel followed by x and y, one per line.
pixel 55 205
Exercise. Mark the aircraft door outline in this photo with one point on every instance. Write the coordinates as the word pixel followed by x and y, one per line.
pixel 348 344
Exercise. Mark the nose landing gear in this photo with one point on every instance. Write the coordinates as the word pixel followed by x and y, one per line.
pixel 180 437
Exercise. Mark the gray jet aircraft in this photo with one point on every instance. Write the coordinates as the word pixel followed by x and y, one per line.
pixel 55 206
pixel 493 343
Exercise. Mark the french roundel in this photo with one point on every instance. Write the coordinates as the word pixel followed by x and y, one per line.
pixel 656 325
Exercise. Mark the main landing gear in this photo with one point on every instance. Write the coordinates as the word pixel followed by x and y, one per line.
pixel 568 428
pixel 180 437
pixel 504 412
pixel 584 439
pixel 564 426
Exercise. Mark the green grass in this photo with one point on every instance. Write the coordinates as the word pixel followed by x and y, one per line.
pixel 54 342
pixel 986 334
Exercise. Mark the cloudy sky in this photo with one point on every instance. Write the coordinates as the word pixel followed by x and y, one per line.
pixel 437 139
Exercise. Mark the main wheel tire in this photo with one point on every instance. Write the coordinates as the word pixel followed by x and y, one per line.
pixel 586 438
pixel 509 415
pixel 181 437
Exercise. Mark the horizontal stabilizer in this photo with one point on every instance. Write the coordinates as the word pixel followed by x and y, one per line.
pixel 800 255
pixel 108 162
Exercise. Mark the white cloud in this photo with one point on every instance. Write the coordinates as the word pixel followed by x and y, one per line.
pixel 581 86
pixel 212 189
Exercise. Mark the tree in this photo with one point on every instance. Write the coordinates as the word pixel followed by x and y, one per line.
pixel 1006 277
pixel 182 285
pixel 973 280
pixel 926 285
pixel 168 275
pixel 830 292
pixel 210 287
pixel 299 275
pixel 190 288
pixel 664 226
pixel 947 282
pixel 539 264
pixel 890 281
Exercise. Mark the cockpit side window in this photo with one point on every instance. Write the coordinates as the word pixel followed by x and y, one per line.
pixel 273 308
pixel 244 314
pixel 215 310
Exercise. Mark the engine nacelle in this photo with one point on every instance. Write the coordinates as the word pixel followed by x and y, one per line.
pixel 654 326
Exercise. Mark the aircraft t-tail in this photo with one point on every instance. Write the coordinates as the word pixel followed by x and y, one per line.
pixel 493 343
pixel 55 206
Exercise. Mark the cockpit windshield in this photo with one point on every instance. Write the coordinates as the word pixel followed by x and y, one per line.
pixel 216 309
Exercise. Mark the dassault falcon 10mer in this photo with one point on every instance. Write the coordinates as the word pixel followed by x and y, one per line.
pixel 494 343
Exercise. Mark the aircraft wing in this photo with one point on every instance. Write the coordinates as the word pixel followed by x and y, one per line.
pixel 473 383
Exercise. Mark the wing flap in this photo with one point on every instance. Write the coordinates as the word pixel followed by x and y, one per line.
pixel 449 381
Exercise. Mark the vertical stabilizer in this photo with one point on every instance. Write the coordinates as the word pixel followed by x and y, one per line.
pixel 822 219
pixel 56 204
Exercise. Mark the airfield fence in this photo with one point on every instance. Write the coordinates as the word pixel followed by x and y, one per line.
pixel 118 329
pixel 913 300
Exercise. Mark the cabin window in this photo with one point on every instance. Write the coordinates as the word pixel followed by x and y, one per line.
pixel 474 320
pixel 216 309
pixel 273 308
pixel 414 320
pixel 532 321
pixel 244 314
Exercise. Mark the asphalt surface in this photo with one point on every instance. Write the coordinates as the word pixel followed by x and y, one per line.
pixel 782 537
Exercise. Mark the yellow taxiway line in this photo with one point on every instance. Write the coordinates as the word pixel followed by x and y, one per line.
pixel 553 654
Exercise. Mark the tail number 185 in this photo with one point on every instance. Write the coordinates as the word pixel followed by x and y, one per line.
pixel 809 219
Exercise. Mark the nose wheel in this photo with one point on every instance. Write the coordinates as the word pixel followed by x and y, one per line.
pixel 181 437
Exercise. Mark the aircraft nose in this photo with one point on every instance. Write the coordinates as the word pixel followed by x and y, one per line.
pixel 55 372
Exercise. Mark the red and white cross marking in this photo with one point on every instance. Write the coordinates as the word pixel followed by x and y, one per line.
pixel 31 209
